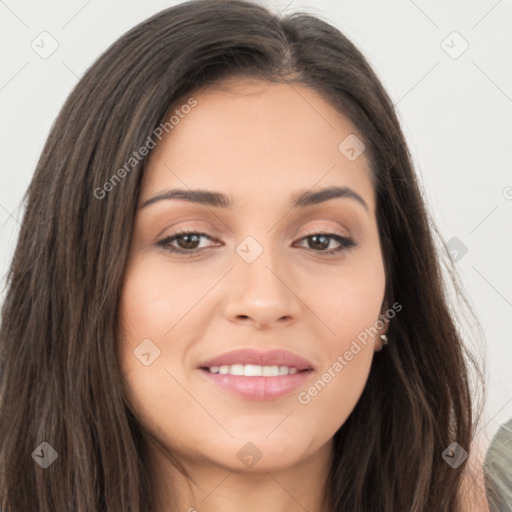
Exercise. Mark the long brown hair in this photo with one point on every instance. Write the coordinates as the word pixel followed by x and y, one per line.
pixel 60 379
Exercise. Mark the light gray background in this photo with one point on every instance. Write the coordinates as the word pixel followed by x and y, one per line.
pixel 455 110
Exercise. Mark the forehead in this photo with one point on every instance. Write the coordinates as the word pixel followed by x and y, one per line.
pixel 250 137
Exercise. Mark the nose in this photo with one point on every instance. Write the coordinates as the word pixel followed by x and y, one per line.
pixel 263 295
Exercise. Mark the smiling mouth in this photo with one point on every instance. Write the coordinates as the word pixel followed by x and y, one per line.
pixel 253 370
pixel 251 374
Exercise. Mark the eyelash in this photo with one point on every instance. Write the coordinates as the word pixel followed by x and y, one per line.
pixel 346 242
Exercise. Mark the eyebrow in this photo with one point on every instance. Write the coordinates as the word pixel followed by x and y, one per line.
pixel 217 199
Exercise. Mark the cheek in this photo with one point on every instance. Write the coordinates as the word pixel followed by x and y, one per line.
pixel 145 314
pixel 149 311
pixel 339 383
pixel 347 300
pixel 349 305
pixel 157 298
pixel 332 395
pixel 160 310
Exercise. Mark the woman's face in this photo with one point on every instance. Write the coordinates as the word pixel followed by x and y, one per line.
pixel 255 279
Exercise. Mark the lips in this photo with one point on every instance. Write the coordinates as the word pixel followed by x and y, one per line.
pixel 254 357
pixel 255 375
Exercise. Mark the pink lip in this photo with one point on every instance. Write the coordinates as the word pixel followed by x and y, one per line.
pixel 251 356
pixel 259 388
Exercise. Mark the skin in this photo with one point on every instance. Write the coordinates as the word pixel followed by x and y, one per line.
pixel 259 143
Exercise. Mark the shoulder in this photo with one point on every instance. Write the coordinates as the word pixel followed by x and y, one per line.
pixel 498 469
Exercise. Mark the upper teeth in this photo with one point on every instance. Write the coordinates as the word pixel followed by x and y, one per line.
pixel 253 370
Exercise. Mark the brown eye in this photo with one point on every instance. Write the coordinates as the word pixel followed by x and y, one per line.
pixel 185 242
pixel 319 242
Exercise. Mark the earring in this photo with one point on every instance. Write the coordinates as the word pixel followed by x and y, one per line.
pixel 384 339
